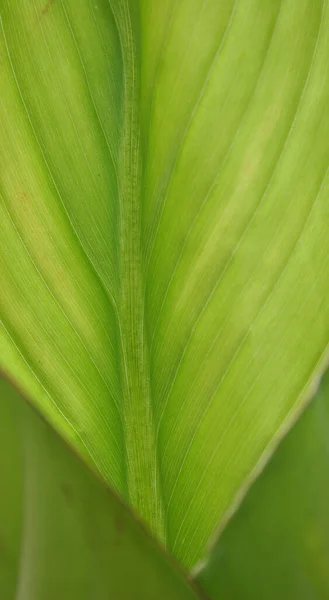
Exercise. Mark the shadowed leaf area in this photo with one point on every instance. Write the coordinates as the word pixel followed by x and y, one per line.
pixel 62 533
pixel 277 544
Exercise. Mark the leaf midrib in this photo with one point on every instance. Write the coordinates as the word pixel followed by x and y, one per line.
pixel 142 468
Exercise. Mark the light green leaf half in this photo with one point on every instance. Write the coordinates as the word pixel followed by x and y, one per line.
pixel 277 544
pixel 164 236
pixel 62 533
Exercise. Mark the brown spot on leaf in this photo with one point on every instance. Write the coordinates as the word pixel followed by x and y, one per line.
pixel 119 527
pixel 119 524
pixel 47 7
pixel 67 492
pixel 23 196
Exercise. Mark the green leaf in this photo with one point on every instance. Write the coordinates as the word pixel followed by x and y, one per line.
pixel 277 544
pixel 11 492
pixel 164 236
pixel 65 535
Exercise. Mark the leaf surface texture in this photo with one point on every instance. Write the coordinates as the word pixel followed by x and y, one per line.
pixel 63 533
pixel 164 236
pixel 276 545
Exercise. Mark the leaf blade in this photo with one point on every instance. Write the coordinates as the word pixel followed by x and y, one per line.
pixel 77 539
pixel 276 544
pixel 153 312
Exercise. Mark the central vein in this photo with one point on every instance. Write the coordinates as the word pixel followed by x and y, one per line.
pixel 141 456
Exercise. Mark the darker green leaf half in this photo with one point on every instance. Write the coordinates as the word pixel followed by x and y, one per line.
pixel 63 535
pixel 276 547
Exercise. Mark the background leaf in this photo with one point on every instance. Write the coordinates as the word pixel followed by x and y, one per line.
pixel 277 544
pixel 65 535
pixel 164 237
